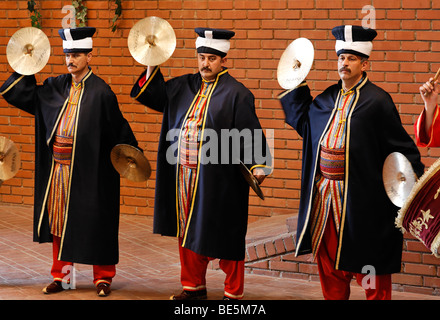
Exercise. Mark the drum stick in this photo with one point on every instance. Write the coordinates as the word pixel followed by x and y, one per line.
pixel 434 79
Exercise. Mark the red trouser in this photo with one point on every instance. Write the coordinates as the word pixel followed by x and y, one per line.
pixel 193 273
pixel 61 269
pixel 335 284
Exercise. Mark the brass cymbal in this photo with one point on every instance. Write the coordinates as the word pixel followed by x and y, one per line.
pixel 251 180
pixel 130 162
pixel 9 159
pixel 398 178
pixel 28 51
pixel 295 63
pixel 151 41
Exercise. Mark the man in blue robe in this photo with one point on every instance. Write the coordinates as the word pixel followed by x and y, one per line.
pixel 76 196
pixel 201 195
pixel 346 219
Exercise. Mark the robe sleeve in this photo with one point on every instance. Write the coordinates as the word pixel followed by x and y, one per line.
pixel 296 104
pixel 20 91
pixel 119 126
pixel 396 137
pixel 151 92
pixel 422 139
pixel 247 119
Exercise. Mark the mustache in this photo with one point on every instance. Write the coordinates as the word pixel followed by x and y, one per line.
pixel 205 69
pixel 71 65
pixel 344 69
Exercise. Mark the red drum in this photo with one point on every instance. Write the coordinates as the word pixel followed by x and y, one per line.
pixel 420 213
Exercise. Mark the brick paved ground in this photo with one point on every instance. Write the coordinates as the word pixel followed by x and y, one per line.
pixel 148 268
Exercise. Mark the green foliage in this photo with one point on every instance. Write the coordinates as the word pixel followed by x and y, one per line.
pixel 35 14
pixel 118 12
pixel 81 12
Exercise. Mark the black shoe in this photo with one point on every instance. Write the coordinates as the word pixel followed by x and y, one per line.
pixel 54 287
pixel 190 295
pixel 103 289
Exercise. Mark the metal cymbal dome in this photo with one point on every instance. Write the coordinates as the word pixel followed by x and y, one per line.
pixel 130 162
pixel 28 51
pixel 151 41
pixel 398 178
pixel 9 159
pixel 295 63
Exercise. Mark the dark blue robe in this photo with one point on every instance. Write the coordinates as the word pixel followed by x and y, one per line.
pixel 368 236
pixel 92 218
pixel 217 224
